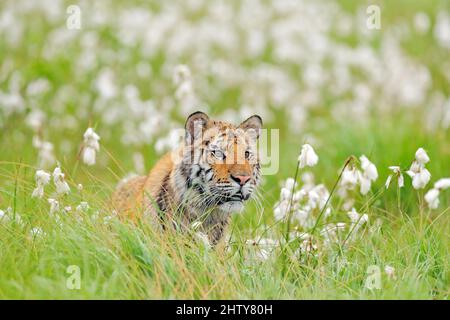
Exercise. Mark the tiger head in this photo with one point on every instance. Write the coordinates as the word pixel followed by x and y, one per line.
pixel 220 162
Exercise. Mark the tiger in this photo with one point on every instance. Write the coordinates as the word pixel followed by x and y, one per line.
pixel 214 171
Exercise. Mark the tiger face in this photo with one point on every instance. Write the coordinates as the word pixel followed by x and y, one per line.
pixel 221 161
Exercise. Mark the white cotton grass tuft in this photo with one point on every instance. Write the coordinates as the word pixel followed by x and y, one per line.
pixel 441 27
pixel 90 147
pixel 38 87
pixel 62 187
pixel 3 215
pixel 368 175
pixel 290 184
pixel 307 248
pixel 421 156
pixel 264 247
pixel 398 173
pixel 54 205
pixel 421 22
pixel 105 84
pixel 353 215
pixel 369 169
pixel 184 88
pixel 421 179
pixel 282 207
pixel 352 176
pixel 357 220
pixel 419 174
pixel 285 193
pixel 42 178
pixel 35 119
pixel 349 178
pixel 302 205
pixel 306 203
pixel 307 157
pixel 169 142
pixel 82 207
pixel 45 152
pixel 332 232
pixel 390 272
pixel 432 196
pixel 308 180
pixel 181 74
pixel 9 216
pixel 442 184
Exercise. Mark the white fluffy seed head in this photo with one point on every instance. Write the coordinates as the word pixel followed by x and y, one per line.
pixel 396 172
pixel 89 155
pixel 308 156
pixel 350 177
pixel 181 74
pixel 285 193
pixel 42 178
pixel 58 179
pixel 442 184
pixel 390 271
pixel 353 215
pixel 54 205
pixel 422 156
pixel 432 198
pixel 290 184
pixel 421 179
pixel 91 146
pixel 364 184
pixel 369 169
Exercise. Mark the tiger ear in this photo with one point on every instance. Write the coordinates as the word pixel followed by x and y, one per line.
pixel 254 123
pixel 195 125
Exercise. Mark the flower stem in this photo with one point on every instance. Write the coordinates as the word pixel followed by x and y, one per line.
pixel 288 217
pixel 289 209
pixel 347 162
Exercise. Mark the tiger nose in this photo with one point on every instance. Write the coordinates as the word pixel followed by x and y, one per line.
pixel 241 179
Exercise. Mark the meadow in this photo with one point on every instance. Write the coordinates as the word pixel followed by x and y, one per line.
pixel 369 101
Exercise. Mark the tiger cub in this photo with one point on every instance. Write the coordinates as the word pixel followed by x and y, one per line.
pixel 211 175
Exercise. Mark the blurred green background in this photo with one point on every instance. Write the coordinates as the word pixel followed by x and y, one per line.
pixel 314 70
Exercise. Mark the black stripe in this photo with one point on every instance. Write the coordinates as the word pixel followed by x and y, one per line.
pixel 199 188
pixel 161 200
pixel 185 170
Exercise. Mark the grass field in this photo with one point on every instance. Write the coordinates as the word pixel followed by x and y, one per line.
pixel 313 70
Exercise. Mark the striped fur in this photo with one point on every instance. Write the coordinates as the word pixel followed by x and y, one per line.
pixel 205 180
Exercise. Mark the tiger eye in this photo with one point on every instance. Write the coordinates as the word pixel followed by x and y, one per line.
pixel 218 154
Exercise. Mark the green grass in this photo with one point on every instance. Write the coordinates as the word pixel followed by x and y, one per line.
pixel 129 262
pixel 121 260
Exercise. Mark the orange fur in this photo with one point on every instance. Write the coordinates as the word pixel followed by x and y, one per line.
pixel 187 182
pixel 128 199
